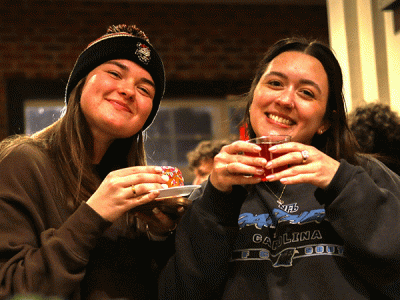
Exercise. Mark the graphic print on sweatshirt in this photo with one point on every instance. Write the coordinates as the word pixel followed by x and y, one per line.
pixel 283 237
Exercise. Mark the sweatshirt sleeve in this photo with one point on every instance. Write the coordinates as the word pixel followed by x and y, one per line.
pixel 363 206
pixel 204 241
pixel 40 252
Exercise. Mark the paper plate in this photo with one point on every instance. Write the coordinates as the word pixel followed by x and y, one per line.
pixel 177 191
pixel 170 200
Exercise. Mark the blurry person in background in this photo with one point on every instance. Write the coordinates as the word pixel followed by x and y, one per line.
pixel 201 159
pixel 69 193
pixel 377 130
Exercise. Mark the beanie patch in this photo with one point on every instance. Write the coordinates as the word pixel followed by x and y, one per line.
pixel 143 53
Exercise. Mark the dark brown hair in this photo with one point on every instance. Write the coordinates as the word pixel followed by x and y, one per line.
pixel 204 150
pixel 337 141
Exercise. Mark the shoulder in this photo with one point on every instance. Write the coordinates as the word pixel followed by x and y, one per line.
pixel 25 157
pixel 28 172
pixel 376 168
pixel 23 152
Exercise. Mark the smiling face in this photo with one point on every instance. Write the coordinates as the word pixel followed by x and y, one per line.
pixel 117 99
pixel 291 98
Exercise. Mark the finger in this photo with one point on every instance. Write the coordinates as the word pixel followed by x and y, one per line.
pixel 138 200
pixel 300 178
pixel 159 223
pixel 239 147
pixel 143 188
pixel 239 169
pixel 138 170
pixel 146 182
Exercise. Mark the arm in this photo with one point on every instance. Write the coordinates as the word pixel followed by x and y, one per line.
pixel 363 205
pixel 41 250
pixel 203 244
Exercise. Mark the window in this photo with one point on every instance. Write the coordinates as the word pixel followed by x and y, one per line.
pixel 40 114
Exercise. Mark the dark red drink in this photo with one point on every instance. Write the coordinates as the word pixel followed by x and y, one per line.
pixel 265 143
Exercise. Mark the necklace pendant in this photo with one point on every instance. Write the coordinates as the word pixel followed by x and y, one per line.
pixel 280 202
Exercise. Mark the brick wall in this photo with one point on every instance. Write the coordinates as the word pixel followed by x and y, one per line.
pixel 41 39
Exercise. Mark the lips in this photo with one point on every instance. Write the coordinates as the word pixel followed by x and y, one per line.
pixel 279 119
pixel 120 105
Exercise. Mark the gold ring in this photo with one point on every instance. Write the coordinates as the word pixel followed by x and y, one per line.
pixel 171 230
pixel 133 189
pixel 305 156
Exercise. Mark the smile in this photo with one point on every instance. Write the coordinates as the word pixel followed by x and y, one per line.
pixel 280 119
pixel 120 105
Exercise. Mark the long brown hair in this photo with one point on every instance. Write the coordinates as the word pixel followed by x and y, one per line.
pixel 338 141
pixel 69 143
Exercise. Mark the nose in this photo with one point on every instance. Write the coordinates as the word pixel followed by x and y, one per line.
pixel 286 98
pixel 127 90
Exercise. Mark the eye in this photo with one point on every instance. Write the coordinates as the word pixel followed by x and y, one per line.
pixel 308 93
pixel 147 91
pixel 274 83
pixel 114 73
pixel 144 90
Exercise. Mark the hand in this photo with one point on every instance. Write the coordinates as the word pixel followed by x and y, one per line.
pixel 230 168
pixel 159 223
pixel 125 189
pixel 317 169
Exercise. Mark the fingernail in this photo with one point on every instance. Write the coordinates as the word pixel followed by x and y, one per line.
pixel 262 161
pixel 270 177
pixel 181 209
pixel 156 210
pixel 165 177
pixel 257 148
pixel 164 186
pixel 283 180
pixel 158 169
pixel 272 148
pixel 269 164
pixel 260 171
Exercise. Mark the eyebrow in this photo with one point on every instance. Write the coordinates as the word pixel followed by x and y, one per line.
pixel 125 68
pixel 302 81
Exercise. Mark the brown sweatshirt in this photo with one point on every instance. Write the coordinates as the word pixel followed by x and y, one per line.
pixel 50 250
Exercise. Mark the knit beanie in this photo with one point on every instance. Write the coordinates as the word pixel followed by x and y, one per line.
pixel 118 44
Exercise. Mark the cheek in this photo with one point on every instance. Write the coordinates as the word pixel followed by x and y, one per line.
pixel 313 117
pixel 85 100
pixel 147 106
pixel 88 91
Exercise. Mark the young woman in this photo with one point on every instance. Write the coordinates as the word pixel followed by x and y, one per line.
pixel 325 228
pixel 70 195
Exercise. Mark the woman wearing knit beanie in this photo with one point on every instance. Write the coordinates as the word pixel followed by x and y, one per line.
pixel 68 193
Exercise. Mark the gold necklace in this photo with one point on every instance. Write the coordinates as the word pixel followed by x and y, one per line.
pixel 279 201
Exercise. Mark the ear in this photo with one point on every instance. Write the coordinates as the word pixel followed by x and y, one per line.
pixel 324 127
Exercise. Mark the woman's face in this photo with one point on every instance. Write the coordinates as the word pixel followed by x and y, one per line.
pixel 117 99
pixel 291 98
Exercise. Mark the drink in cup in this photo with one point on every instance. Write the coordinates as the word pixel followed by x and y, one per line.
pixel 266 142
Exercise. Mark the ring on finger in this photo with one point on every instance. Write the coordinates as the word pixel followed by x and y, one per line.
pixel 172 229
pixel 305 155
pixel 226 168
pixel 134 189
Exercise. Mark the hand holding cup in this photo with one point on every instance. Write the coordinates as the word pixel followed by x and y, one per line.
pixel 266 142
